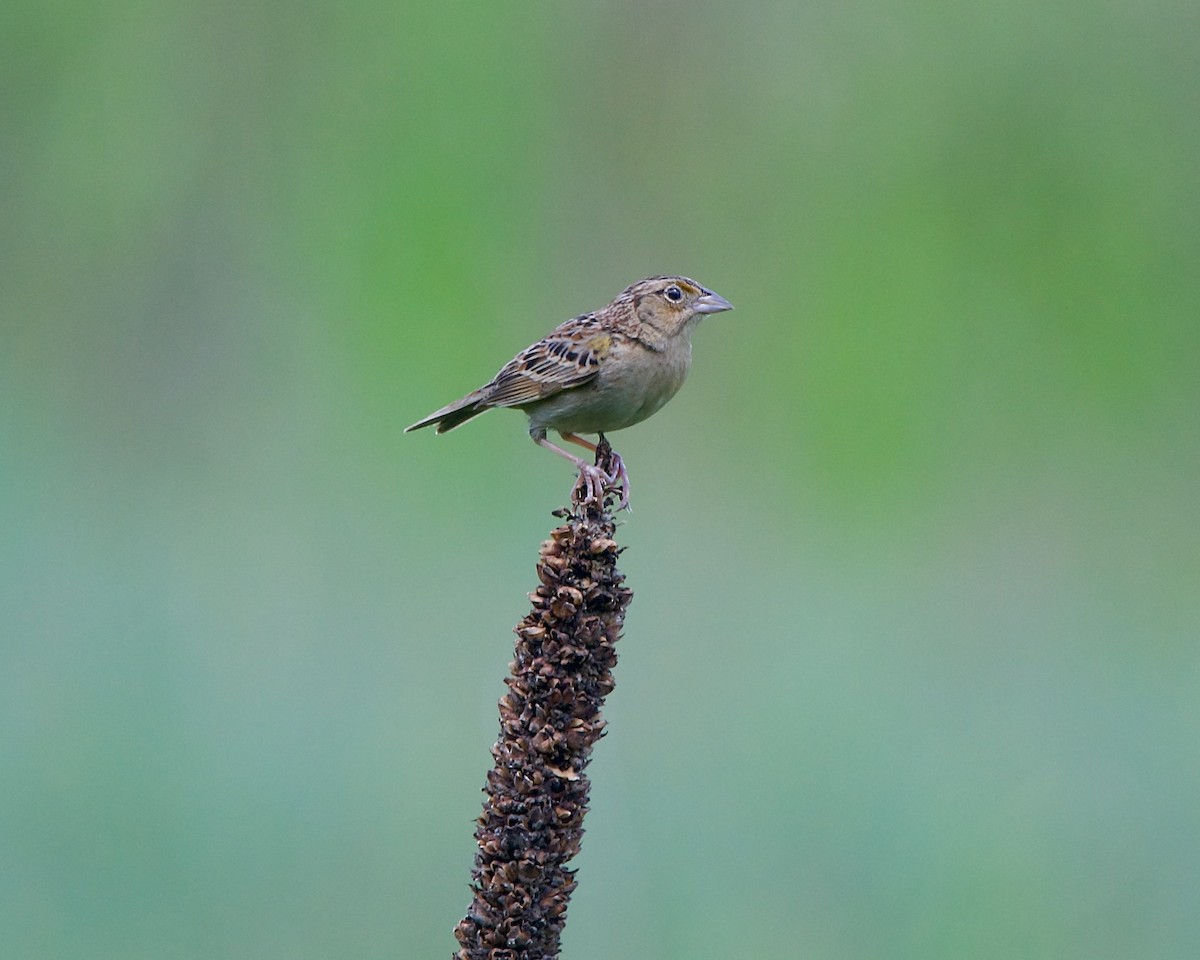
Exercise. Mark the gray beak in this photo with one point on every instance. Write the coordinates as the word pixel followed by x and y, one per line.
pixel 712 303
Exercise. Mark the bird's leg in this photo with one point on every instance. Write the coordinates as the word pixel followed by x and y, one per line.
pixel 621 478
pixel 575 438
pixel 610 461
pixel 593 482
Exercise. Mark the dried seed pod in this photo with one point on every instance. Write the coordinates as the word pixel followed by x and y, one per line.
pixel 550 719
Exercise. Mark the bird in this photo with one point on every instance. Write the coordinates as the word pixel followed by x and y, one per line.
pixel 597 373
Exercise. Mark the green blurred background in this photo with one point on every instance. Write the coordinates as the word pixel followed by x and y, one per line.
pixel 912 668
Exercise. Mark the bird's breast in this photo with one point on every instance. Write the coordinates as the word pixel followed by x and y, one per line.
pixel 633 383
pixel 642 381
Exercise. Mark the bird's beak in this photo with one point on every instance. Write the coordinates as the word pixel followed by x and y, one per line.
pixel 711 303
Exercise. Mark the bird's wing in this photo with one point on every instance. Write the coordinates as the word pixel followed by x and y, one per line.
pixel 568 357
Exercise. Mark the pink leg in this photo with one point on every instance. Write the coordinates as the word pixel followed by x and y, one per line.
pixel 619 476
pixel 575 438
pixel 592 482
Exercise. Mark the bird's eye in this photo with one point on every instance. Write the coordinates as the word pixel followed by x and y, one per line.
pixel 673 293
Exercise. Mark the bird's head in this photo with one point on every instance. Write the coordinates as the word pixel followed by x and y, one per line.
pixel 672 304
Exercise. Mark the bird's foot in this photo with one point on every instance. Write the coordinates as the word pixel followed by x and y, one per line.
pixel 595 485
pixel 610 462
pixel 592 485
pixel 618 476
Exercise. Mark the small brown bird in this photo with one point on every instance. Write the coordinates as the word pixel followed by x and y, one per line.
pixel 597 373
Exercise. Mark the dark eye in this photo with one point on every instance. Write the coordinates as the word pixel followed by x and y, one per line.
pixel 673 293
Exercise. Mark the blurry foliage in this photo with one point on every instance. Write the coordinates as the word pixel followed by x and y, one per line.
pixel 934 693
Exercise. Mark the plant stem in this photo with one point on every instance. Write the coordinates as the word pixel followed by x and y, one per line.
pixel 537 792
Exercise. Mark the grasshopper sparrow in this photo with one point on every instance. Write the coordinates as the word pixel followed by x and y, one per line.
pixel 597 373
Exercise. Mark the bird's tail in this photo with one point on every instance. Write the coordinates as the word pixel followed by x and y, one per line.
pixel 454 414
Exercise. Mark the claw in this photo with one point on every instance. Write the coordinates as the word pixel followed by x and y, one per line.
pixel 596 480
pixel 595 483
pixel 619 477
pixel 591 485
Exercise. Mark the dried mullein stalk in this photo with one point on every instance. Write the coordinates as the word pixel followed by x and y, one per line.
pixel 537 793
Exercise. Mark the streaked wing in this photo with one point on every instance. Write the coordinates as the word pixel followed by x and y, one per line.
pixel 568 357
